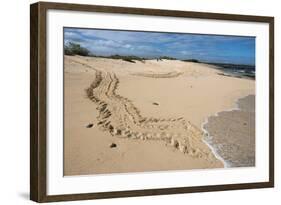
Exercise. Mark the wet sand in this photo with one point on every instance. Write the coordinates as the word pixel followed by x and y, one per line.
pixel 143 116
pixel 232 134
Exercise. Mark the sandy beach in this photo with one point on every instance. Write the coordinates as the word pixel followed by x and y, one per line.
pixel 146 116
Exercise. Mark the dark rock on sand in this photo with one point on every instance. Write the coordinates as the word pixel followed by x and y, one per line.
pixel 90 125
pixel 113 145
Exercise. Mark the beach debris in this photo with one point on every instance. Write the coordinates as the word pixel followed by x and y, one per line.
pixel 155 103
pixel 113 145
pixel 90 125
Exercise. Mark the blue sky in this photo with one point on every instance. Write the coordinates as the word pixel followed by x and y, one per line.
pixel 207 48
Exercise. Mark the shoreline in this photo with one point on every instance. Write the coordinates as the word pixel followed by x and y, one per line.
pixel 206 133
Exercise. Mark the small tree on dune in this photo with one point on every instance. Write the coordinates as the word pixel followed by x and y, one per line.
pixel 75 49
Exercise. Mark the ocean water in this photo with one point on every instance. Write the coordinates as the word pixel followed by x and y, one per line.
pixel 247 71
pixel 231 134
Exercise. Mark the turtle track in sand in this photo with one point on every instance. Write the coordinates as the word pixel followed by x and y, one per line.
pixel 159 75
pixel 121 118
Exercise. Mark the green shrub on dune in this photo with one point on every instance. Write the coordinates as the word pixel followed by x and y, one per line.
pixel 130 59
pixel 75 49
pixel 167 58
pixel 192 60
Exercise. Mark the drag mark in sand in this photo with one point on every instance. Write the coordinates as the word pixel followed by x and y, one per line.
pixel 159 75
pixel 119 116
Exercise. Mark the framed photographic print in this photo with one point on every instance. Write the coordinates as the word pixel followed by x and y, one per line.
pixel 134 102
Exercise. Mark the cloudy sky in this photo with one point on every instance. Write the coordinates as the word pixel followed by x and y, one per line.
pixel 208 48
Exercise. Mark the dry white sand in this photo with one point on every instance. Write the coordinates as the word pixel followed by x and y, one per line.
pixel 152 111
